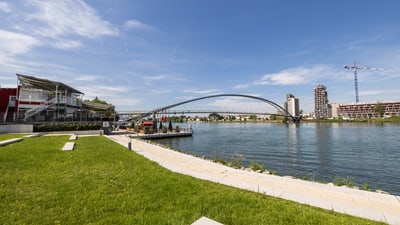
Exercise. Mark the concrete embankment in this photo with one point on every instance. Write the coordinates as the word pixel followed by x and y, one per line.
pixel 365 204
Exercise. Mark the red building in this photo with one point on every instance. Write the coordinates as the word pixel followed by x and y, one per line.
pixel 7 104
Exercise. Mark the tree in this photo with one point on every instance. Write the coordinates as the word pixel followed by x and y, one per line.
pixel 379 109
pixel 97 100
pixel 253 117
pixel 215 116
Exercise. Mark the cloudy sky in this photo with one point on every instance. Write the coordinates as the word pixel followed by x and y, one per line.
pixel 143 54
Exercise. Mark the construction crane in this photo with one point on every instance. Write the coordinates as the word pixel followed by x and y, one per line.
pixel 355 68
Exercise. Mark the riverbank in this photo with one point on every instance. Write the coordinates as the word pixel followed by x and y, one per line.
pixel 375 206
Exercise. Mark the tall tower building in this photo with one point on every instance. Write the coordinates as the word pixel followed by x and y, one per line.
pixel 292 105
pixel 320 102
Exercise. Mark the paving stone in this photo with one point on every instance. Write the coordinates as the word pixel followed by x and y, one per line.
pixel 9 141
pixel 206 221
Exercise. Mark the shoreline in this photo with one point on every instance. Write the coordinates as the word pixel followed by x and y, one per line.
pixel 266 170
pixel 365 204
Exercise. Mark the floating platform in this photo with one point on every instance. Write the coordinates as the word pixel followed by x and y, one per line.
pixel 162 135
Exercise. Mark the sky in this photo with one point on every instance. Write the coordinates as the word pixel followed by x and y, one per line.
pixel 144 54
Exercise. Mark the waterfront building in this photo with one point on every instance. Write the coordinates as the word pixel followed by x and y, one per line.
pixel 321 102
pixel 292 105
pixel 36 99
pixel 368 110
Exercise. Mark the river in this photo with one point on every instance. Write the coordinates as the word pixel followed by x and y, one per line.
pixel 367 152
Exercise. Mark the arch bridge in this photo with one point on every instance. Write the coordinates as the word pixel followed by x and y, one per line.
pixel 275 105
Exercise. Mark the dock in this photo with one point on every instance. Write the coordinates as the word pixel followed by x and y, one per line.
pixel 182 133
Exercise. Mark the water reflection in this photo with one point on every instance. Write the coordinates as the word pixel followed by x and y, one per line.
pixel 368 152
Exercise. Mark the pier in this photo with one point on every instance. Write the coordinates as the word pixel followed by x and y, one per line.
pixel 184 132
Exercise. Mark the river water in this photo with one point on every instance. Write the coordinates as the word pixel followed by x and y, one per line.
pixel 368 152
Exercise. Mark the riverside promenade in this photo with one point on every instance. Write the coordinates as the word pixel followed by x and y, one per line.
pixel 365 204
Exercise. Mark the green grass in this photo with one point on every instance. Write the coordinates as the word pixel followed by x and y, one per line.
pixel 4 137
pixel 101 182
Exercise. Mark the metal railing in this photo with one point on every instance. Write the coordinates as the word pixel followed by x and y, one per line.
pixel 37 109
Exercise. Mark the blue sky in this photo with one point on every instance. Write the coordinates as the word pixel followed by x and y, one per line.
pixel 143 54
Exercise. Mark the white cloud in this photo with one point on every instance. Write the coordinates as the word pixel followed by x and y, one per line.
pixel 241 86
pixel 62 18
pixel 100 90
pixel 86 78
pixel 12 43
pixel 4 6
pixel 125 104
pixel 165 78
pixel 135 24
pixel 66 44
pixel 197 91
pixel 116 95
pixel 156 78
pixel 298 75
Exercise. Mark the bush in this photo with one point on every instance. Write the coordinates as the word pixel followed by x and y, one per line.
pixel 366 187
pixel 347 181
pixel 255 166
pixel 49 127
pixel 236 161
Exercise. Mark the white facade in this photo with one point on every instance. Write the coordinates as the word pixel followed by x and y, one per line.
pixel 292 105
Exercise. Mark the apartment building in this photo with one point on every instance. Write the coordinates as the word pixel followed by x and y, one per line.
pixel 321 107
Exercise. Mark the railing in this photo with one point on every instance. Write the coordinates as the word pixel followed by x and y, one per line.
pixel 37 109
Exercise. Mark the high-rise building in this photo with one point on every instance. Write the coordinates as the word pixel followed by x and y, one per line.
pixel 320 102
pixel 292 105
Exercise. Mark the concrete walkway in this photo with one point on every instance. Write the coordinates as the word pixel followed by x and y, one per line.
pixel 365 204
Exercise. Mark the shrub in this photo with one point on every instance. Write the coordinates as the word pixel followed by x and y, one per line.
pixel 65 127
pixel 255 166
pixel 365 187
pixel 273 172
pixel 236 161
pixel 347 181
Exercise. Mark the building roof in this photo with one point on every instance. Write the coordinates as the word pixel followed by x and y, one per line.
pixel 320 86
pixel 39 83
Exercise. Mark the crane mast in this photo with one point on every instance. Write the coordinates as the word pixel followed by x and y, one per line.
pixel 355 68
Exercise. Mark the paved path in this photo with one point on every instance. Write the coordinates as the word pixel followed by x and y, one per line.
pixel 365 204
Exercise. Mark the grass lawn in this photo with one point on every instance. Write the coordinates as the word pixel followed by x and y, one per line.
pixel 101 182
